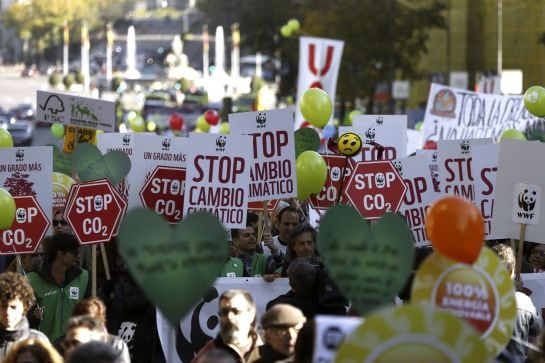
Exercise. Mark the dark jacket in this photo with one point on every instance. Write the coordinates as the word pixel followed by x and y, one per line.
pixel 21 331
pixel 268 355
pixel 218 343
pixel 308 304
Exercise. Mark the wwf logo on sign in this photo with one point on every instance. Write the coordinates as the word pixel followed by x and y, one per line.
pixel 220 143
pixel 166 144
pixel 333 337
pixel 526 203
pixel 399 167
pixel 370 135
pixel 126 139
pixel 434 157
pixel 527 200
pixel 20 155
pixel 380 120
pixel 465 147
pixel 261 119
pixel 20 215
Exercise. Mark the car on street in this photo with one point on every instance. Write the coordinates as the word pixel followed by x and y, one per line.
pixel 21 131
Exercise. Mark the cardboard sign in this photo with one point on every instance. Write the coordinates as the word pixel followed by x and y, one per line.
pixel 419 195
pixel 535 282
pixel 68 109
pixel 330 333
pixel 272 174
pixel 519 162
pixel 84 135
pixel 28 171
pixel 526 203
pixel 485 166
pixel 218 177
pixel 454 159
pixel 432 156
pixel 375 121
pixel 453 113
pixel 386 142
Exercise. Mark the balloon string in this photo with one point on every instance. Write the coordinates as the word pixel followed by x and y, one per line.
pixel 342 181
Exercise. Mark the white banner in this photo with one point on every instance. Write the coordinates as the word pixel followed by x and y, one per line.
pixel 484 168
pixel 273 147
pixel 218 177
pixel 453 113
pixel 319 63
pixel 181 343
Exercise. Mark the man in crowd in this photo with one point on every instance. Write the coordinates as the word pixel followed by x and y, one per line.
pixel 536 258
pixel 285 221
pixel 16 297
pixel 238 323
pixel 528 323
pixel 281 325
pixel 255 264
pixel 59 284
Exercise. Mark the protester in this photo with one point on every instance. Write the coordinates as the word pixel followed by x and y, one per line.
pixel 281 325
pixel 16 297
pixel 83 329
pixel 238 323
pixel 528 323
pixel 536 258
pixel 94 352
pixel 32 350
pixel 59 284
pixel 304 294
pixel 301 243
pixel 217 356
pixel 27 262
pixel 60 225
pixel 304 346
pixel 255 264
pixel 285 221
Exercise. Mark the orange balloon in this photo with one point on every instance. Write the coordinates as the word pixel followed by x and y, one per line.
pixel 455 228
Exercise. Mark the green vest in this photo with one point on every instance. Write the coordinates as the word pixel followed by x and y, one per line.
pixel 259 265
pixel 57 301
pixel 233 268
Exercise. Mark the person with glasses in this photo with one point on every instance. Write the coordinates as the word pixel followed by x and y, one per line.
pixel 60 225
pixel 59 284
pixel 238 327
pixel 536 258
pixel 281 325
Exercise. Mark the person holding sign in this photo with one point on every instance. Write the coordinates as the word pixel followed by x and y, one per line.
pixel 255 264
pixel 285 221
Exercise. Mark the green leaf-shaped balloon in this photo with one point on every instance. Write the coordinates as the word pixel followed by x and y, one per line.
pixel 90 164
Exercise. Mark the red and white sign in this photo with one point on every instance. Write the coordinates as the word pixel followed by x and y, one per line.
pixel 455 172
pixel 272 173
pixel 485 168
pixel 336 165
pixel 164 192
pixel 375 188
pixel 399 124
pixel 386 142
pixel 124 142
pixel 319 63
pixel 420 194
pixel 258 206
pixel 94 211
pixel 28 228
pixel 218 177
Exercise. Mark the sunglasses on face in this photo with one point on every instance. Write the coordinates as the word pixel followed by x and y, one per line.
pixel 62 222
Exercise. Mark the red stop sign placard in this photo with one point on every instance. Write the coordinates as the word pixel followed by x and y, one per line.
pixel 328 196
pixel 28 228
pixel 258 206
pixel 164 192
pixel 375 188
pixel 94 211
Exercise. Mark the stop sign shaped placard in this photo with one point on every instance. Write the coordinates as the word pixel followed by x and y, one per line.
pixel 375 188
pixel 328 196
pixel 94 211
pixel 28 228
pixel 164 192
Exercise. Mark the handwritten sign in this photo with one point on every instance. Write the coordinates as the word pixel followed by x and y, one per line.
pixel 485 167
pixel 272 168
pixel 218 176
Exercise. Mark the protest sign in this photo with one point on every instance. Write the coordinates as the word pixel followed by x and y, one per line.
pixel 433 163
pixel 25 173
pixel 414 171
pixel 68 109
pixel 330 333
pixel 272 174
pixel 339 171
pixel 455 174
pixel 379 143
pixel 180 343
pixel 218 177
pixel 535 282
pixel 484 168
pixel 453 113
pixel 61 187
pixel 375 121
pixel 319 63
pixel 519 163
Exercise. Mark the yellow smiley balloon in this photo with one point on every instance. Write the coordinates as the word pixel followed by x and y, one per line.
pixel 349 144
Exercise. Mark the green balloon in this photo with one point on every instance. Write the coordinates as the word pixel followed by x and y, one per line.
pixel 137 124
pixel 7 206
pixel 57 129
pixel 285 31
pixel 62 162
pixel 311 171
pixel 202 124
pixel 534 100
pixel 316 107
pixel 351 116
pixel 512 134
pixel 294 25
pixel 161 258
pixel 5 138
pixel 380 256
pixel 419 125
pixel 306 139
pixel 224 128
pixel 90 164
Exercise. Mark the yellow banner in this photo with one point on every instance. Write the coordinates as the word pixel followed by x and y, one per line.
pixel 84 135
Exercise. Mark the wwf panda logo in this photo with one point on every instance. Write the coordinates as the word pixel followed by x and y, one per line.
pixel 126 139
pixel 527 200
pixel 464 146
pixel 398 166
pixel 261 119
pixel 370 135
pixel 20 154
pixel 434 157
pixel 166 144
pixel 380 120
pixel 220 143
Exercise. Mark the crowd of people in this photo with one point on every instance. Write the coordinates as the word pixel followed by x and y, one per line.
pixel 47 313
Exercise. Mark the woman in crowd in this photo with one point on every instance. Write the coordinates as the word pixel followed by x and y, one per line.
pixel 33 350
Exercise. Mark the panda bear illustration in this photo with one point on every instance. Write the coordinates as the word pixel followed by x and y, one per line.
pixel 527 200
